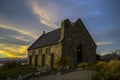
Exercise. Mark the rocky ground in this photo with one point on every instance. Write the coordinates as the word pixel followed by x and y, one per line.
pixel 76 75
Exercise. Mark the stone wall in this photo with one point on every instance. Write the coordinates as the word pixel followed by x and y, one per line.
pixel 76 35
pixel 54 49
pixel 75 42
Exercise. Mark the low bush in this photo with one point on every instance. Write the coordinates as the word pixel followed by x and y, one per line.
pixel 107 71
pixel 15 72
pixel 10 64
pixel 100 65
pixel 83 65
pixel 112 70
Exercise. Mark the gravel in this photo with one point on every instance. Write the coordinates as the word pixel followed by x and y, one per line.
pixel 76 75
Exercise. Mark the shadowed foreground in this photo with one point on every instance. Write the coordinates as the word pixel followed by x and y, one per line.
pixel 76 75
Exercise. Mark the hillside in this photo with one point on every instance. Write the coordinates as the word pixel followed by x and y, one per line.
pixel 115 55
pixel 2 60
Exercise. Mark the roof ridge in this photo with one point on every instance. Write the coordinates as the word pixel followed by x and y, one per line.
pixel 52 30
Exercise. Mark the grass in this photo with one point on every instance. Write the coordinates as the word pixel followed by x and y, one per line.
pixel 15 72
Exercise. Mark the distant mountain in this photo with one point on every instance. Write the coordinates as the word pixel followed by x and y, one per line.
pixel 117 52
pixel 20 60
pixel 111 56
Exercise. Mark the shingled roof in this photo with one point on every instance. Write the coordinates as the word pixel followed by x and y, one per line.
pixel 46 39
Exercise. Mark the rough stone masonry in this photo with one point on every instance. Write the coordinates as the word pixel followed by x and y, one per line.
pixel 71 40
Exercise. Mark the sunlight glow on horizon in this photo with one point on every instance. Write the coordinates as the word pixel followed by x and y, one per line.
pixel 14 52
pixel 22 22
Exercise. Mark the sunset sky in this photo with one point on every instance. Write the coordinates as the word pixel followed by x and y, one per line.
pixel 22 22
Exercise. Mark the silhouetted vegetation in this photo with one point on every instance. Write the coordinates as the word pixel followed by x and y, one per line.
pixel 15 72
pixel 13 69
pixel 10 64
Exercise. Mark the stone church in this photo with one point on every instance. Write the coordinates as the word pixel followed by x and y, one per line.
pixel 72 40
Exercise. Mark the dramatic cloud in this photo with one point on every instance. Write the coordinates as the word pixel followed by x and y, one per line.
pixel 13 43
pixel 17 30
pixel 22 22
pixel 45 15
pixel 103 43
pixel 14 51
pixel 14 37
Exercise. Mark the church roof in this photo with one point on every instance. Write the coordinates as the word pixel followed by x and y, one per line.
pixel 46 39
pixel 54 36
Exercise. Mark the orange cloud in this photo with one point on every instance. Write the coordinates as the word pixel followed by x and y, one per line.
pixel 10 55
pixel 13 51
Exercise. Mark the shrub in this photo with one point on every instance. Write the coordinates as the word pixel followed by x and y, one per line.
pixel 15 72
pixel 100 65
pixel 112 70
pixel 10 64
pixel 108 71
pixel 83 65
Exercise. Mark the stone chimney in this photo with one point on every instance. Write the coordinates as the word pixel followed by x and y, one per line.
pixel 65 24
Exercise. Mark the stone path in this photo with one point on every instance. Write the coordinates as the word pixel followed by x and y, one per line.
pixel 76 75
